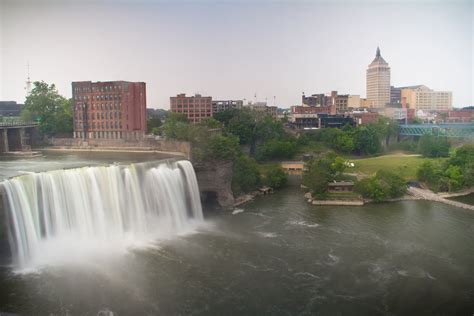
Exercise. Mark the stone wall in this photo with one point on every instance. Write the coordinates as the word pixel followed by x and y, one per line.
pixel 152 144
pixel 215 178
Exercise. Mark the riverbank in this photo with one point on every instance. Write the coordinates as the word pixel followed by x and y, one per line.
pixel 447 195
pixel 431 196
pixel 252 195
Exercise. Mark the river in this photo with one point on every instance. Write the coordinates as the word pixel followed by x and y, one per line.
pixel 276 255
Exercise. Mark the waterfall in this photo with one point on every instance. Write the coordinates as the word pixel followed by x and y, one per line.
pixel 57 211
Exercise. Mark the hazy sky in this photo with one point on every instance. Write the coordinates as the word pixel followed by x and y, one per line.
pixel 234 49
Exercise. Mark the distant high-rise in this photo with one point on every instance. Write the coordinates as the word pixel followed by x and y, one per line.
pixel 421 97
pixel 378 82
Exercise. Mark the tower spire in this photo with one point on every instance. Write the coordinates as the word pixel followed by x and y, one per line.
pixel 378 52
pixel 28 81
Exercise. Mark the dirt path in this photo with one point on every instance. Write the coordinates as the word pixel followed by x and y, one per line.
pixel 431 196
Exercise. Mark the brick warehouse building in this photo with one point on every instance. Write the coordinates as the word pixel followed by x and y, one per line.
pixel 109 110
pixel 195 108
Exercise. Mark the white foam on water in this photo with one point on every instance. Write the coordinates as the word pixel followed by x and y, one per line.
pixel 268 234
pixel 303 223
pixel 237 211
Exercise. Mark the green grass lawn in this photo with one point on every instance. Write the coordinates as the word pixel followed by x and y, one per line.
pixel 404 165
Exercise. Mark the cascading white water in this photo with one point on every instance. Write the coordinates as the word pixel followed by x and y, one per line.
pixel 59 211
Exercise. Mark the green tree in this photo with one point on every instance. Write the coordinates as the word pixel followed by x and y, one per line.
pixel 431 173
pixel 49 108
pixel 210 122
pixel 225 116
pixel 383 185
pixel 276 149
pixel 428 172
pixel 221 147
pixel 372 188
pixel 177 126
pixel 397 186
pixel 455 178
pixel 386 129
pixel 366 140
pixel 320 171
pixel 432 146
pixel 469 174
pixel 246 175
pixel 462 156
pixel 274 176
pixel 153 125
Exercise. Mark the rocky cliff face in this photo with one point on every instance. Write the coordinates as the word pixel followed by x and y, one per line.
pixel 214 179
pixel 4 245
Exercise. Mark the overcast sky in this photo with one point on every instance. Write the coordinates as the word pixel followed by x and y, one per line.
pixel 236 49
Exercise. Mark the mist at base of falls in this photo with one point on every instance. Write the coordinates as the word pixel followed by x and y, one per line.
pixel 75 215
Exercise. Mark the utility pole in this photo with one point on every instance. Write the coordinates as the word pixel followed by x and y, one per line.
pixel 28 80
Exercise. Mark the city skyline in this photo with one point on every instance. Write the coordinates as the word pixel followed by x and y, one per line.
pixel 233 51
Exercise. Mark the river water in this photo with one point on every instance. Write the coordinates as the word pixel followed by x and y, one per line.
pixel 276 255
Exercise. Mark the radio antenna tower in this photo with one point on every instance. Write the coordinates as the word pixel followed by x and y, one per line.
pixel 28 80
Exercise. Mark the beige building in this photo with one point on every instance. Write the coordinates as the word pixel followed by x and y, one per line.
pixel 364 103
pixel 354 101
pixel 264 108
pixel 378 82
pixel 293 167
pixel 423 98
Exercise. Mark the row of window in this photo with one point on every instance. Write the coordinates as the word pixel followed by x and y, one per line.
pixel 102 106
pixel 100 115
pixel 99 97
pixel 100 88
pixel 108 135
pixel 192 107
pixel 186 111
pixel 99 125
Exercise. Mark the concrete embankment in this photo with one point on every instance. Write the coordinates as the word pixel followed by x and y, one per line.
pixel 338 202
pixel 162 146
pixel 431 196
pixel 115 149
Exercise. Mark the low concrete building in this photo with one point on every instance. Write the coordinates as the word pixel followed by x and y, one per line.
pixel 263 108
pixel 340 186
pixel 223 105
pixel 10 108
pixel 293 167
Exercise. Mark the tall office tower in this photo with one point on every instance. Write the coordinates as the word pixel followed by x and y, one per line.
pixel 378 82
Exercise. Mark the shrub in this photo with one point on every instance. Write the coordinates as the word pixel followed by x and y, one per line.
pixel 384 185
pixel 274 176
pixel 276 149
pixel 246 175
pixel 322 170
pixel 433 147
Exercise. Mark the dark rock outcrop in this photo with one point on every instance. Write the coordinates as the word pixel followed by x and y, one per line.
pixel 215 179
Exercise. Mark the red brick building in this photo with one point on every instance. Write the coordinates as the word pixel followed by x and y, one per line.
pixel 298 109
pixel 195 108
pixel 109 110
pixel 364 118
pixel 460 116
